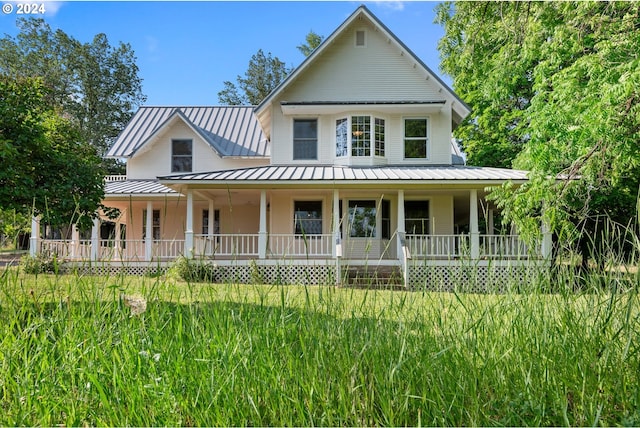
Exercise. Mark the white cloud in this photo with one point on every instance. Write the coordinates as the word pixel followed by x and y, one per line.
pixel 392 5
pixel 52 7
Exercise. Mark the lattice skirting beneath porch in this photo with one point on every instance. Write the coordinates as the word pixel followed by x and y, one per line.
pixel 473 278
pixel 446 277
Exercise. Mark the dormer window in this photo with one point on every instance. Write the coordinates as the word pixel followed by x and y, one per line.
pixel 181 156
pixel 357 135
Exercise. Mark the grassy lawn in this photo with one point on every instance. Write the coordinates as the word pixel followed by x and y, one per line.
pixel 226 354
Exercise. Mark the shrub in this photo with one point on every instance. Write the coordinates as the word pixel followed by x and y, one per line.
pixel 39 263
pixel 194 270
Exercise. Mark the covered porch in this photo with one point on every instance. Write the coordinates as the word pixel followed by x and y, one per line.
pixel 299 225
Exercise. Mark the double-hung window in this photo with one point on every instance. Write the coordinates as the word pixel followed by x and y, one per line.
pixel 181 155
pixel 415 138
pixel 305 139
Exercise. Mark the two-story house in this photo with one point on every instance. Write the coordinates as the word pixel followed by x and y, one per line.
pixel 348 162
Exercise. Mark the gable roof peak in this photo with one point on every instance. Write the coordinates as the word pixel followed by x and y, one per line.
pixel 460 107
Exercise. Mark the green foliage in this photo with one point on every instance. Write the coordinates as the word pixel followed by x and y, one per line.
pixel 47 169
pixel 193 270
pixel 95 85
pixel 264 74
pixel 41 263
pixel 555 89
pixel 312 41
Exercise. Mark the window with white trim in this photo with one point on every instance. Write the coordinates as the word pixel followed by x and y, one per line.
pixel 181 155
pixel 305 139
pixel 362 219
pixel 307 217
pixel 366 139
pixel 416 217
pixel 415 138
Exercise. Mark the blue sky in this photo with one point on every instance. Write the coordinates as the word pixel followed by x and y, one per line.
pixel 186 50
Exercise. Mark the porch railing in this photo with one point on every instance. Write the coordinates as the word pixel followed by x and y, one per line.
pixel 503 246
pixel 300 245
pixel 441 246
pixel 281 245
pixel 109 249
pixel 236 245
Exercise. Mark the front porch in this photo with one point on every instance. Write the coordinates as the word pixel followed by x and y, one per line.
pixel 418 229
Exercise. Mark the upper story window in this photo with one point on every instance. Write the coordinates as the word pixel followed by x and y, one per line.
pixel 360 136
pixel 305 139
pixel 181 156
pixel 415 138
pixel 364 139
pixel 361 38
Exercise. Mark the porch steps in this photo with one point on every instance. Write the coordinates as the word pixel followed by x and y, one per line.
pixel 373 277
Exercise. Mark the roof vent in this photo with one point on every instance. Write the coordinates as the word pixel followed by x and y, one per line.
pixel 360 38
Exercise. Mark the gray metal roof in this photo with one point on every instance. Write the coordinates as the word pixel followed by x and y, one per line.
pixel 137 187
pixel 230 130
pixel 274 173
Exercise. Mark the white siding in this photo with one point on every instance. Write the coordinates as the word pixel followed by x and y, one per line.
pixel 377 72
pixel 347 72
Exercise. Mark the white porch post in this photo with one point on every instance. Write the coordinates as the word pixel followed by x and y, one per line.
pixel 188 234
pixel 148 232
pixel 34 241
pixel 473 224
pixel 262 231
pixel 211 219
pixel 118 240
pixel 402 250
pixel 75 242
pixel 336 250
pixel 95 241
pixel 209 246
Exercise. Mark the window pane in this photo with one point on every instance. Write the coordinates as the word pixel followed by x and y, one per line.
pixel 181 147
pixel 308 217
pixel 416 217
pixel 415 149
pixel 342 143
pixel 415 128
pixel 379 134
pixel 305 139
pixel 362 219
pixel 360 136
pixel 305 128
pixel 181 156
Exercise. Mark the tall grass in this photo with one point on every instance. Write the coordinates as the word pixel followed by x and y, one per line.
pixel 227 354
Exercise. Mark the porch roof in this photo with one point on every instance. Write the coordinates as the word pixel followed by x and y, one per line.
pixel 137 187
pixel 316 174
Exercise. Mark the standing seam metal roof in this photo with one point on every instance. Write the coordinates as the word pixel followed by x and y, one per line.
pixel 276 173
pixel 230 130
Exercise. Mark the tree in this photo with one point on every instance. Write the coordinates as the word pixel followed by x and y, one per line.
pixel 264 74
pixel 47 169
pixel 312 41
pixel 555 89
pixel 94 84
